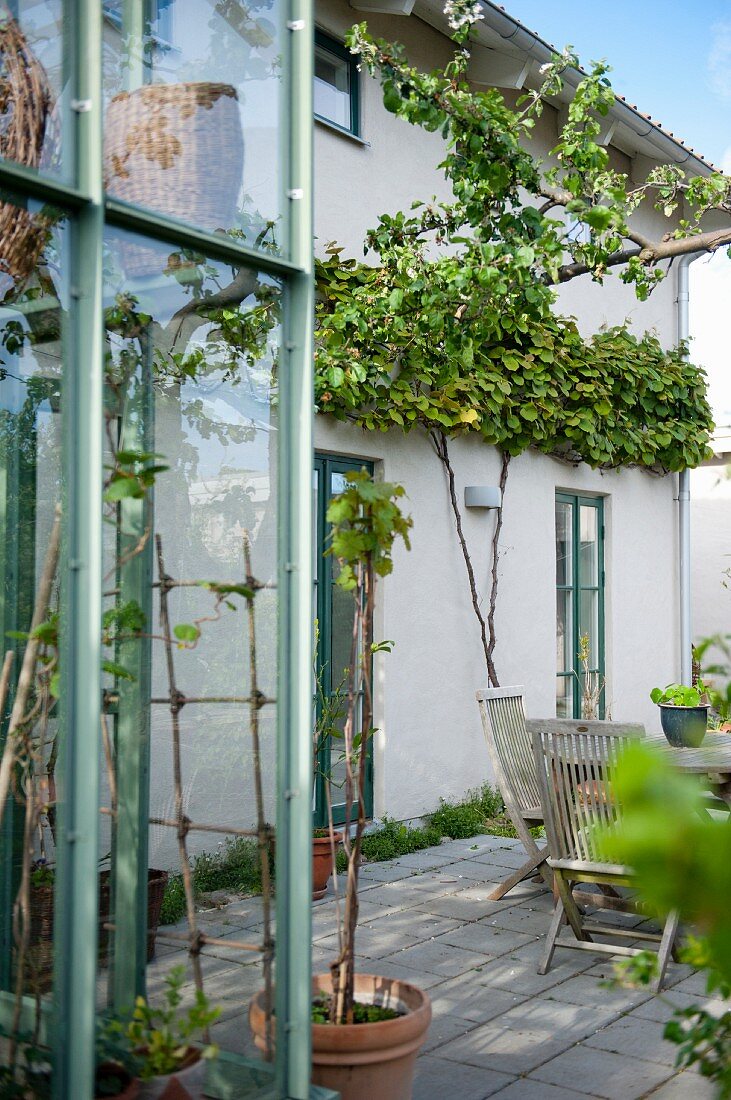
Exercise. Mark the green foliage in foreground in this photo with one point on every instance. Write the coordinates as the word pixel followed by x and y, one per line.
pixel 683 860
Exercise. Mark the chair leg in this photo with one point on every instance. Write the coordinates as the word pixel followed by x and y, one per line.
pixel 669 933
pixel 570 907
pixel 557 921
pixel 535 861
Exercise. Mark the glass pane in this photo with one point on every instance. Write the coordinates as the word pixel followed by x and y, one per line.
pixel 190 404
pixel 33 111
pixel 332 88
pixel 33 293
pixel 564 543
pixel 565 644
pixel 564 697
pixel 193 123
pixel 589 624
pixel 589 554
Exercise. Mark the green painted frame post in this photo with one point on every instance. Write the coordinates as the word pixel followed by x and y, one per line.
pixel 132 720
pixel 294 716
pixel 77 882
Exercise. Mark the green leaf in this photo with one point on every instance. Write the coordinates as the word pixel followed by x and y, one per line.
pixel 186 632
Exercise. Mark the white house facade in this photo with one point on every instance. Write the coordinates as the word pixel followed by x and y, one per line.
pixel 430 744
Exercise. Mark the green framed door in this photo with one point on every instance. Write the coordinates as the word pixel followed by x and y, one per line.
pixel 332 608
pixel 580 584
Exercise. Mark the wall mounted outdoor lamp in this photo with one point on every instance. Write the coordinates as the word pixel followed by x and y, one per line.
pixel 482 496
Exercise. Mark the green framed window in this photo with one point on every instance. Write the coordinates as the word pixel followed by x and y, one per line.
pixel 580 586
pixel 333 611
pixel 337 86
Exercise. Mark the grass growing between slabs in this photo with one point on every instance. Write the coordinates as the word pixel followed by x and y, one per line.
pixel 235 866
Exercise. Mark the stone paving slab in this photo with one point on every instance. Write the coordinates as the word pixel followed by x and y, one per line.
pixel 635 1037
pixel 437 1079
pixel 686 1086
pixel 601 1073
pixel 499 1028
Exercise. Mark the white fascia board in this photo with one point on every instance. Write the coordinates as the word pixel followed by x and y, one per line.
pixel 384 7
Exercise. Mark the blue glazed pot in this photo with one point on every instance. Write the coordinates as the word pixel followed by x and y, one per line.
pixel 684 727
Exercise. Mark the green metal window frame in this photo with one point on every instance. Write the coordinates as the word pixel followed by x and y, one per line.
pixel 576 586
pixel 72 1013
pixel 339 50
pixel 325 466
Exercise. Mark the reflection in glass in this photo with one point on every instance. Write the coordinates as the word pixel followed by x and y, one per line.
pixel 564 543
pixel 332 87
pixel 194 113
pixel 564 697
pixel 191 362
pixel 589 554
pixel 565 643
pixel 589 622
pixel 32 317
pixel 31 75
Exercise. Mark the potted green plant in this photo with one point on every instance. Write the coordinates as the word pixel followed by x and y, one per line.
pixel 366 1029
pixel 111 1079
pixel 166 1046
pixel 683 713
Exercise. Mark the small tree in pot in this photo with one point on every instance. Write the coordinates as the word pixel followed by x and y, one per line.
pixel 366 521
pixel 366 1029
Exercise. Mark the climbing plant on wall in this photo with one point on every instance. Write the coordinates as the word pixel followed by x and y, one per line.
pixel 450 325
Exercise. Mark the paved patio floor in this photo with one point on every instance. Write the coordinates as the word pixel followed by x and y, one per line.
pixel 499 1028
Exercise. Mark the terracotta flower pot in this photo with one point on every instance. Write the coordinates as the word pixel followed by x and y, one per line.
pixel 106 1075
pixel 364 1061
pixel 322 863
pixel 185 1082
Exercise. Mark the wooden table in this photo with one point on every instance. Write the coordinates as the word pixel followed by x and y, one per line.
pixel 712 759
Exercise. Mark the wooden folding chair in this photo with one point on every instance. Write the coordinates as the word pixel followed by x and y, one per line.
pixel 508 737
pixel 575 782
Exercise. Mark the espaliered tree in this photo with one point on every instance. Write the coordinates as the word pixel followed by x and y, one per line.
pixel 451 328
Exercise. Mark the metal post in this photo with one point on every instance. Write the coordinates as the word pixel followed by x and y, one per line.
pixel 76 924
pixel 132 755
pixel 686 634
pixel 294 805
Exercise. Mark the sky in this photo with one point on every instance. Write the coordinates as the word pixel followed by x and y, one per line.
pixel 672 61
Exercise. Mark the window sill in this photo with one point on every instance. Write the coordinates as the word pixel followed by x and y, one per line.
pixel 348 134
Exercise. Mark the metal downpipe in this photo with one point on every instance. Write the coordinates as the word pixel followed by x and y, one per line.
pixel 686 638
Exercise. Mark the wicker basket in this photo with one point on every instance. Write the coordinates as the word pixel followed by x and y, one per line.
pixel 156 883
pixel 25 103
pixel 178 149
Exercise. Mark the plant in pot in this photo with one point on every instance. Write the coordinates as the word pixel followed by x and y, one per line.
pixel 683 713
pixel 366 1029
pixel 160 1045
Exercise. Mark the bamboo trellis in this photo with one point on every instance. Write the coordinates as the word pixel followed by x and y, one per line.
pixel 264 833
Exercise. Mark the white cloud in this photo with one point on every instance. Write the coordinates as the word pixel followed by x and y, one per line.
pixel 719 60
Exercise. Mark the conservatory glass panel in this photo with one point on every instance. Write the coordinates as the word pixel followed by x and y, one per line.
pixel 194 114
pixel 191 369
pixel 33 309
pixel 33 109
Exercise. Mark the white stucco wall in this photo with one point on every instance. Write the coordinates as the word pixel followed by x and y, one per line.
pixel 710 510
pixel 431 744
